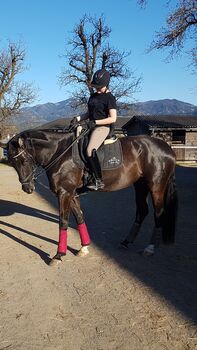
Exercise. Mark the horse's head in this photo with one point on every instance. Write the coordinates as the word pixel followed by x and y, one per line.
pixel 23 162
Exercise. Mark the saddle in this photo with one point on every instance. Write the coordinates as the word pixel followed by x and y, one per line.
pixel 109 153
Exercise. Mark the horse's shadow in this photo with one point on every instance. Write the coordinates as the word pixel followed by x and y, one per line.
pixel 8 208
pixel 43 255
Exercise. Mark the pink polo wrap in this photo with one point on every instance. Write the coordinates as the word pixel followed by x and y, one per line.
pixel 62 245
pixel 84 235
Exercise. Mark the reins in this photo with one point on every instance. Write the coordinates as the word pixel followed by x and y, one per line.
pixel 21 152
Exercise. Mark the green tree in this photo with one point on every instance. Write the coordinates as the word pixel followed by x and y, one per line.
pixel 89 50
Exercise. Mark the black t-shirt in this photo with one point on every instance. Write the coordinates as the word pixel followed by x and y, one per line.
pixel 99 105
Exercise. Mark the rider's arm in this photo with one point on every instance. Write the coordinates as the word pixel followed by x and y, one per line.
pixel 109 120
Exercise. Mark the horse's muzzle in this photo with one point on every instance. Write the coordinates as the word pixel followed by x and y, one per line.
pixel 28 187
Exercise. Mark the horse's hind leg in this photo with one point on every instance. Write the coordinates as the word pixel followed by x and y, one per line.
pixel 141 196
pixel 81 226
pixel 157 193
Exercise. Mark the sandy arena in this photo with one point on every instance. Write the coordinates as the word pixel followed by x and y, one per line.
pixel 111 300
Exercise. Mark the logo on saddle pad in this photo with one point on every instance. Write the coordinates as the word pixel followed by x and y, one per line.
pixel 114 161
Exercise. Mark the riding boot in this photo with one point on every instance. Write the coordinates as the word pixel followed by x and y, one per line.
pixel 95 168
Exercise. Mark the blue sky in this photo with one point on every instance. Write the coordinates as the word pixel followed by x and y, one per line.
pixel 44 26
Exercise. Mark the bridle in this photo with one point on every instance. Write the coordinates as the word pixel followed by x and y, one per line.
pixel 17 155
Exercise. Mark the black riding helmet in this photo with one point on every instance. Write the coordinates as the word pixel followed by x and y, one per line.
pixel 100 79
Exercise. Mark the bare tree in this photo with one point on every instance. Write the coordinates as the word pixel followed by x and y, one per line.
pixel 142 3
pixel 89 50
pixel 13 94
pixel 181 25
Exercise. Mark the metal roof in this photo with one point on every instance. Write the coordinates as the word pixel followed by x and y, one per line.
pixel 169 121
pixel 61 123
pixel 151 121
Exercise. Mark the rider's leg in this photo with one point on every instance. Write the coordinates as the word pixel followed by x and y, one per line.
pixel 97 137
pixel 95 168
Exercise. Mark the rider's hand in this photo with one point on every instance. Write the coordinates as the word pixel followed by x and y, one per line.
pixel 74 122
pixel 91 124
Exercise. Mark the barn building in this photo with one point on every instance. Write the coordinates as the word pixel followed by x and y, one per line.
pixel 180 132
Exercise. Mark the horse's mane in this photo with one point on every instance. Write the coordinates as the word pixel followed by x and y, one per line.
pixel 40 133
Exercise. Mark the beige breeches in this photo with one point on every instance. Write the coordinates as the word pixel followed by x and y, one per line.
pixel 97 137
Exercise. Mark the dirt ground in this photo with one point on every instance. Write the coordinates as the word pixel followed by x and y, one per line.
pixel 111 300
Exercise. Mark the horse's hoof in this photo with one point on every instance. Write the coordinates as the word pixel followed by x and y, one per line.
pixel 83 252
pixel 146 252
pixel 124 244
pixel 56 260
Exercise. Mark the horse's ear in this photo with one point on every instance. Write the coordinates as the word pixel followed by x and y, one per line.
pixel 20 142
pixel 3 145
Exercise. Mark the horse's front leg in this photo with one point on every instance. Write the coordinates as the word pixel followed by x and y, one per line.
pixel 64 201
pixel 81 226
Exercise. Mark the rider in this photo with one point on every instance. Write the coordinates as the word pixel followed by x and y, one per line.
pixel 102 114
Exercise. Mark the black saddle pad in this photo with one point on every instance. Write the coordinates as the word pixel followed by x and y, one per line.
pixel 110 155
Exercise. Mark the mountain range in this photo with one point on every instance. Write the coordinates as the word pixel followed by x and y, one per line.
pixel 44 113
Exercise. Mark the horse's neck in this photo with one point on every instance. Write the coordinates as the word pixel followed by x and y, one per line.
pixel 46 145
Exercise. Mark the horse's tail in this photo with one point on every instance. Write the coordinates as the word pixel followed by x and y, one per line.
pixel 170 212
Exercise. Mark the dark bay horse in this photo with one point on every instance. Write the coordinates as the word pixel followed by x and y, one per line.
pixel 148 164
